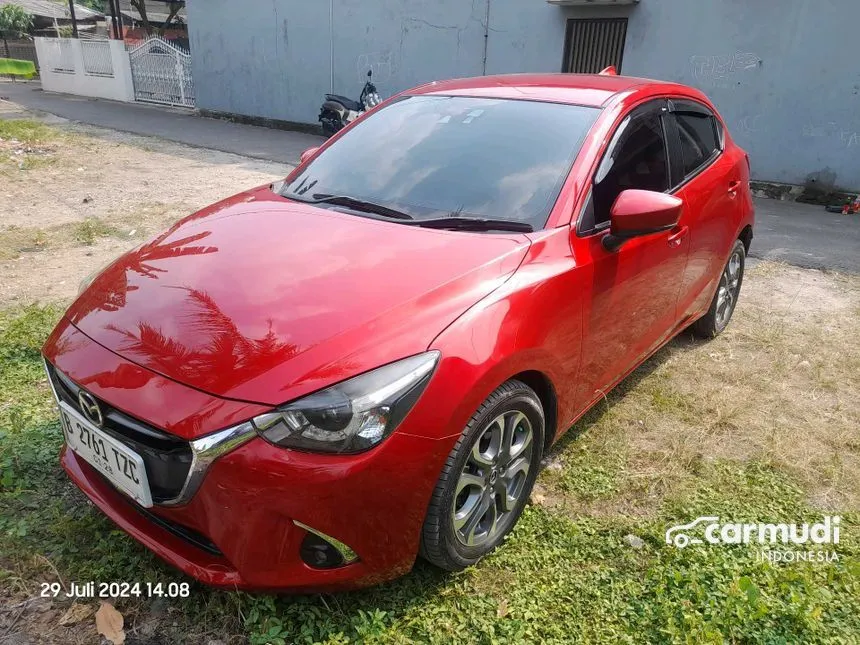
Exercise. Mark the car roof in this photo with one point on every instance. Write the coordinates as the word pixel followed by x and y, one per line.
pixel 594 90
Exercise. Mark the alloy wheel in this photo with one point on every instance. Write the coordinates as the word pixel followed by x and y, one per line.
pixel 727 295
pixel 493 478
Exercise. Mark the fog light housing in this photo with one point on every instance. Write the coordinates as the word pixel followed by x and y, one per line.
pixel 322 551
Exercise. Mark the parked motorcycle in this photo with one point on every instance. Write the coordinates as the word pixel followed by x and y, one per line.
pixel 339 111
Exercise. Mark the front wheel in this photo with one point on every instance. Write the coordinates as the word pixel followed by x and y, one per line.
pixel 486 480
pixel 726 298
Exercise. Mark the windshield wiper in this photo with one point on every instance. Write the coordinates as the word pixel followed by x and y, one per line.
pixel 353 203
pixel 452 222
pixel 475 224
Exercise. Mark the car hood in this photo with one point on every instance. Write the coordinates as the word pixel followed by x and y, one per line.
pixel 262 299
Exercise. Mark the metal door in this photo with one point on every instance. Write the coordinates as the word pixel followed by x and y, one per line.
pixel 162 73
pixel 593 44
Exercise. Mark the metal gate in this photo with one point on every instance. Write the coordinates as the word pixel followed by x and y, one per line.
pixel 593 44
pixel 162 73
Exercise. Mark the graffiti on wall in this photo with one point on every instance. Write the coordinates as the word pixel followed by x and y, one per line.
pixel 380 62
pixel 845 137
pixel 723 70
pixel 752 123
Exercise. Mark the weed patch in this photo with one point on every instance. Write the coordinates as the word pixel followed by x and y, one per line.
pixel 26 131
pixel 91 229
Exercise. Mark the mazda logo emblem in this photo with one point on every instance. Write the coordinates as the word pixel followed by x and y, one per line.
pixel 90 407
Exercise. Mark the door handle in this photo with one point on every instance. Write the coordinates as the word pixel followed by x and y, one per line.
pixel 733 187
pixel 677 236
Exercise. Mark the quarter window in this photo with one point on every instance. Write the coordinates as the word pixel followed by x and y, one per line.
pixel 698 139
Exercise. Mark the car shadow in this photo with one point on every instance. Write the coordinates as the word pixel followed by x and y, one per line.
pixel 416 588
pixel 682 342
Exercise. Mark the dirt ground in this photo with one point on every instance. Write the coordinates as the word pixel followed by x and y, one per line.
pixel 78 196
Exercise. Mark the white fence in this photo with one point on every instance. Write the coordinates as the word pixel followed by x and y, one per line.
pixel 98 68
pixel 97 57
pixel 58 56
pixel 156 71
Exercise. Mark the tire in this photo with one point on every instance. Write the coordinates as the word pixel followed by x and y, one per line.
pixel 330 127
pixel 718 317
pixel 457 532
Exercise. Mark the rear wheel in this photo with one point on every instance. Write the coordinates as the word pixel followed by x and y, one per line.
pixel 726 298
pixel 486 480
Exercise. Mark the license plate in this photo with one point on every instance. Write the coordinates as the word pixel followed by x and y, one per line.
pixel 122 466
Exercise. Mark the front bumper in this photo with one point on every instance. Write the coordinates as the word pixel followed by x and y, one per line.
pixel 243 526
pixel 249 500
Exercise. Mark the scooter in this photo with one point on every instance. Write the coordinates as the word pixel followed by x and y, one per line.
pixel 339 111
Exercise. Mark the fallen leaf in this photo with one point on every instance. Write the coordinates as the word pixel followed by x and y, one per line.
pixel 109 623
pixel 538 499
pixel 76 613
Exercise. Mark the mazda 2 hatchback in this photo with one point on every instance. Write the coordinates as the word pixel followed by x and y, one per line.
pixel 309 384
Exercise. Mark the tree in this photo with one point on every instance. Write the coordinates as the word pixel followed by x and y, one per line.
pixel 15 22
pixel 173 8
pixel 95 5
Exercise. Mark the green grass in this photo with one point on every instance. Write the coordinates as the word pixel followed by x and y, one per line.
pixel 16 240
pixel 559 578
pixel 30 152
pixel 26 131
pixel 91 229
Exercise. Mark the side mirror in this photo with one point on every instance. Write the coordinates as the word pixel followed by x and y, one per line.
pixel 307 154
pixel 640 212
pixel 370 73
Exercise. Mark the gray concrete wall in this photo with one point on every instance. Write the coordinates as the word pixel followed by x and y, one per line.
pixel 782 72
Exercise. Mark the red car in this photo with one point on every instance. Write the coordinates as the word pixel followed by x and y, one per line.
pixel 309 384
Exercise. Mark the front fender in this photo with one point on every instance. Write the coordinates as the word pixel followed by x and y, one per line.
pixel 531 323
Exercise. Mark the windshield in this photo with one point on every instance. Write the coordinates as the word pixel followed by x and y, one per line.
pixel 435 156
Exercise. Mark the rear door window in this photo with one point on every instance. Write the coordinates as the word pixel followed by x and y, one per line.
pixel 699 141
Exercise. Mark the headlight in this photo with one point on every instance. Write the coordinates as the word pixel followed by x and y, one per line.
pixel 352 416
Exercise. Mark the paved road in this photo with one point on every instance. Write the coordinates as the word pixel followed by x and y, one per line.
pixel 173 124
pixel 806 236
pixel 799 234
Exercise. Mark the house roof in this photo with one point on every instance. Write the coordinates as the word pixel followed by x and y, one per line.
pixel 51 10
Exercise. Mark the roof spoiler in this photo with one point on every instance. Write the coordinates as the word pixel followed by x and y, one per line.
pixel 609 71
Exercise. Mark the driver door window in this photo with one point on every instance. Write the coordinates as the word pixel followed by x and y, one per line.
pixel 637 158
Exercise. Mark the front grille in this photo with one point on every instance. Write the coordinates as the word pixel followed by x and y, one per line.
pixel 167 458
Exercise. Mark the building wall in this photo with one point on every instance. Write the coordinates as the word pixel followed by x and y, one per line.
pixel 781 72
